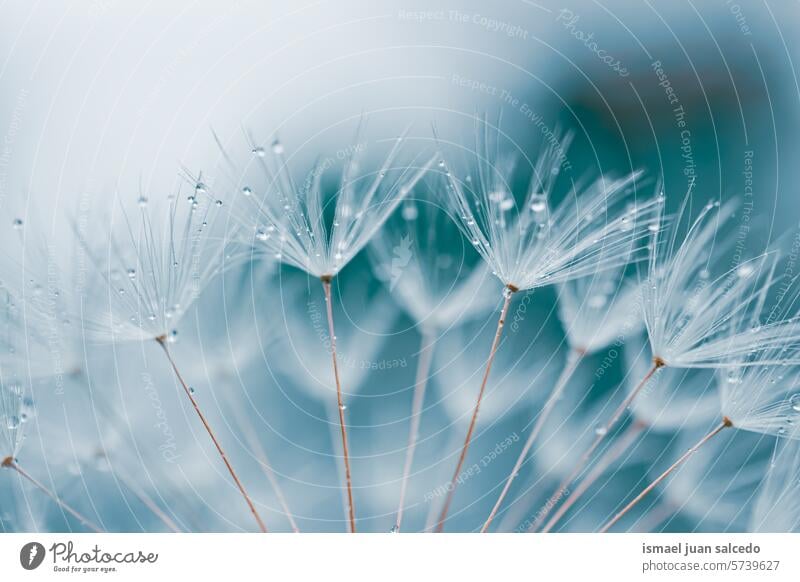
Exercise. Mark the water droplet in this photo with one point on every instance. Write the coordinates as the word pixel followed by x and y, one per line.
pixel 745 271
pixel 507 292
pixel 200 188
pixel 653 227
pixel 142 201
pixel 342 407
pixel 131 274
pixel 218 203
pixel 601 431
pixel 506 204
pixel 597 301
pixel 538 203
pixel 794 401
pixel 441 163
pixel 259 151
pixel 277 147
pixel 410 212
pixel 395 529
pixel 12 422
pixel 247 191
pixel 191 390
pixel 17 223
pixel 173 336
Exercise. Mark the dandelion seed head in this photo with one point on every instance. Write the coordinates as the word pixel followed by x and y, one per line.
pixel 535 243
pixel 318 231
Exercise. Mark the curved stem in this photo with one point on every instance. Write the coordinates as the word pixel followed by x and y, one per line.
pixel 423 369
pixel 573 360
pixel 724 424
pixel 163 343
pixel 620 446
pixel 10 463
pixel 263 460
pixel 601 435
pixel 508 291
pixel 326 285
pixel 148 502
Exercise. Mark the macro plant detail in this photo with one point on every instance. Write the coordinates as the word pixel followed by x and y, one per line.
pixel 710 340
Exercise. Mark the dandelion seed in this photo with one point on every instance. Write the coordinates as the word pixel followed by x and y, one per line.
pixel 539 245
pixel 712 327
pixel 777 506
pixel 305 239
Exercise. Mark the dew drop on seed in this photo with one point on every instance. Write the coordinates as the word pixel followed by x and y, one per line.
pixel 794 401
pixel 410 212
pixel 538 203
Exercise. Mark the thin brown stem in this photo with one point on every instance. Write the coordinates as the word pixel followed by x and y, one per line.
pixel 658 363
pixel 508 291
pixel 610 456
pixel 351 512
pixel 724 424
pixel 10 463
pixel 163 343
pixel 420 384
pixel 573 360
